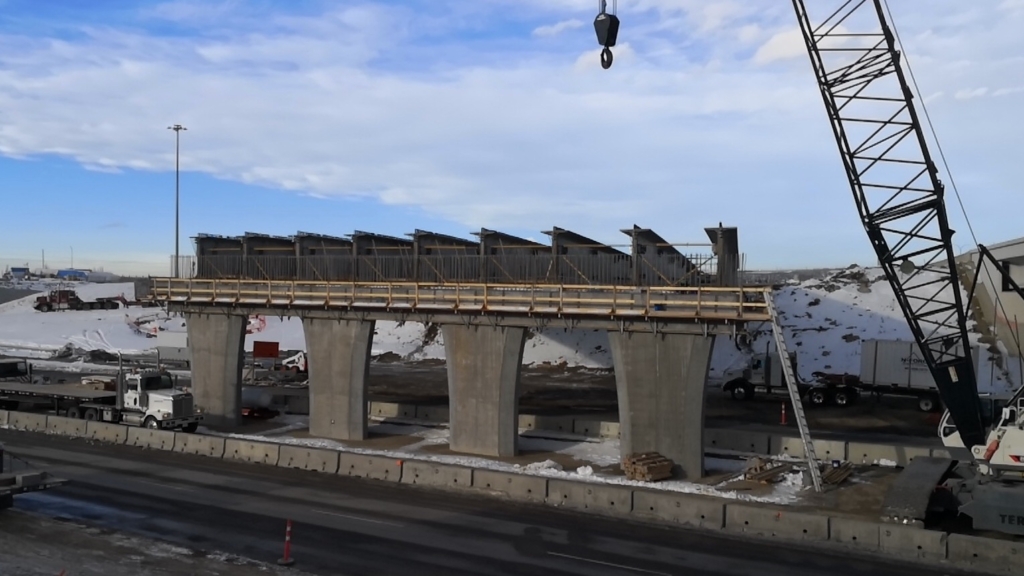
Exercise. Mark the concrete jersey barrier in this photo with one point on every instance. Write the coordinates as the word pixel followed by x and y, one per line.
pixel 106 432
pixel 73 427
pixel 435 474
pixel 255 452
pixel 149 438
pixel 304 458
pixel 199 444
pixel 27 421
pixel 517 486
pixel 372 467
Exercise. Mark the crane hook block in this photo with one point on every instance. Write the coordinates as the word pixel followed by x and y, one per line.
pixel 607 27
pixel 606 58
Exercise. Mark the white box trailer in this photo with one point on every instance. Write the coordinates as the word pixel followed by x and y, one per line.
pixel 896 367
pixel 173 346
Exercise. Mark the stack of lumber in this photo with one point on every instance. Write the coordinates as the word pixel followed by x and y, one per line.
pixel 647 467
pixel 837 474
pixel 765 471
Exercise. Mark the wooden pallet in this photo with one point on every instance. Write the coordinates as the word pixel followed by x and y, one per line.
pixel 838 474
pixel 766 471
pixel 647 467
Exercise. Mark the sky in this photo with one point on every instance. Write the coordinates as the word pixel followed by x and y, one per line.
pixel 452 115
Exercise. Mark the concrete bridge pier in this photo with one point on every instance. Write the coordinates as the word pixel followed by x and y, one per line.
pixel 483 387
pixel 338 352
pixel 660 380
pixel 217 345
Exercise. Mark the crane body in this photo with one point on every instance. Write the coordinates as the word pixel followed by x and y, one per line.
pixel 899 196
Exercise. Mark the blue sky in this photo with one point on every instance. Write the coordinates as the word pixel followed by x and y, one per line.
pixel 450 115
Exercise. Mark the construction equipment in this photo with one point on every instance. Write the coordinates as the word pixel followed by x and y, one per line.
pixel 854 53
pixel 68 299
pixel 148 398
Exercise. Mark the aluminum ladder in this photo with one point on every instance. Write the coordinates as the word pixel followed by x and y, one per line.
pixel 794 393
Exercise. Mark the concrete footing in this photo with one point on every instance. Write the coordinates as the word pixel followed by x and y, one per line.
pixel 217 343
pixel 660 381
pixel 483 388
pixel 339 361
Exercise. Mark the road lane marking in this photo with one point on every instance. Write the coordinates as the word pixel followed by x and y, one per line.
pixel 360 518
pixel 592 561
pixel 182 488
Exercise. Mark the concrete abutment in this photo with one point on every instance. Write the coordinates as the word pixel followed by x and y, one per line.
pixel 483 387
pixel 660 380
pixel 217 343
pixel 339 362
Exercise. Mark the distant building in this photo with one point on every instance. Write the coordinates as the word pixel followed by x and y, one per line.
pixel 19 273
pixel 72 274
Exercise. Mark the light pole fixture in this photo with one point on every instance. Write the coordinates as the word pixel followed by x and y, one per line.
pixel 177 190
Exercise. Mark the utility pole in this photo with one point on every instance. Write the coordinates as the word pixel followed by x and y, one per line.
pixel 177 189
pixel 72 257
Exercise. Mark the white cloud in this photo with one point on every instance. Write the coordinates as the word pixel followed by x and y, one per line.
pixel 687 129
pixel 1008 91
pixel 558 28
pixel 970 94
pixel 782 46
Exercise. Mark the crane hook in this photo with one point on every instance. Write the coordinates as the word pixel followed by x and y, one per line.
pixel 607 28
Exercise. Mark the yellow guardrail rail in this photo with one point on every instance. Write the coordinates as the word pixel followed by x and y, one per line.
pixel 668 303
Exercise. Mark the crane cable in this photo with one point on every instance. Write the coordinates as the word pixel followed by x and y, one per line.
pixel 949 173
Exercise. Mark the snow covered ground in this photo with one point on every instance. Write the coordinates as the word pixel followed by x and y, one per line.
pixel 592 453
pixel 825 320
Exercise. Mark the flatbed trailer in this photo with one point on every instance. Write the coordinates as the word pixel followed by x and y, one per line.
pixel 78 401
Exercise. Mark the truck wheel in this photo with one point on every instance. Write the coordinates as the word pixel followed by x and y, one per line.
pixel 151 423
pixel 74 412
pixel 92 414
pixel 817 397
pixel 927 403
pixel 190 428
pixel 742 391
pixel 45 307
pixel 841 398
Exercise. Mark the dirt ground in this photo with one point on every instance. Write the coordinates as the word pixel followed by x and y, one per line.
pixel 37 546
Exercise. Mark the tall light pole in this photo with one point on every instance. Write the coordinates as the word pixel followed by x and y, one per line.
pixel 177 189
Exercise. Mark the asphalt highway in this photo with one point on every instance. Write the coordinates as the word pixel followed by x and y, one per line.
pixel 345 526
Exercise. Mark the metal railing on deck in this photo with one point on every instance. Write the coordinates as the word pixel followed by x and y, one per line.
pixel 625 302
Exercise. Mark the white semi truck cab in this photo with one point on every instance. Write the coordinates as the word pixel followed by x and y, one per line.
pixel 152 399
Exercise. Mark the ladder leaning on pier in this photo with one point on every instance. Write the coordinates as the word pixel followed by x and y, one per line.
pixel 794 392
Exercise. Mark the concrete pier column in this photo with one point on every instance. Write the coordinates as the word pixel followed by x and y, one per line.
pixel 338 352
pixel 483 388
pixel 660 381
pixel 217 345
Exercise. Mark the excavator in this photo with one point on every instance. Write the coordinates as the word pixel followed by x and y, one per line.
pixel 866 86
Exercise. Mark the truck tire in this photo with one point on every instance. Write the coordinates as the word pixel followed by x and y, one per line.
pixel 928 403
pixel 817 397
pixel 741 390
pixel 190 428
pixel 151 423
pixel 92 414
pixel 841 398
pixel 45 307
pixel 74 412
